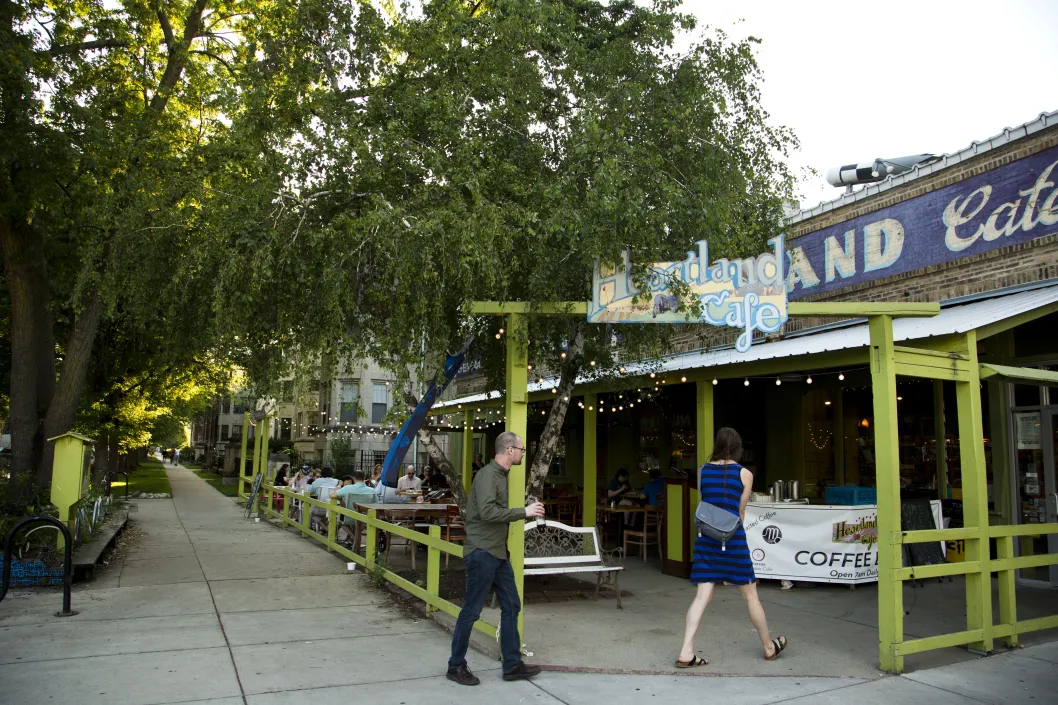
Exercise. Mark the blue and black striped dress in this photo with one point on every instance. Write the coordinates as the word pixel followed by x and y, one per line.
pixel 711 564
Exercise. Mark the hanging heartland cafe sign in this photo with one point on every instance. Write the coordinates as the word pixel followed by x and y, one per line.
pixel 1014 203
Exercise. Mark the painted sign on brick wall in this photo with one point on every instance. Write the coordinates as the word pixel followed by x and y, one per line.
pixel 1014 203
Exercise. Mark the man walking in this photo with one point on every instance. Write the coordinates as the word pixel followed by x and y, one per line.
pixel 488 563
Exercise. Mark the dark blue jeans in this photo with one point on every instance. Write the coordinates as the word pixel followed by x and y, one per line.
pixel 485 571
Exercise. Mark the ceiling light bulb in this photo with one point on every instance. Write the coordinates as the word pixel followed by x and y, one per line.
pixel 746 383
pixel 841 375
pixel 593 363
pixel 563 356
pixel 652 375
pixel 682 379
pixel 498 336
pixel 810 379
pixel 778 382
pixel 715 382
pixel 501 331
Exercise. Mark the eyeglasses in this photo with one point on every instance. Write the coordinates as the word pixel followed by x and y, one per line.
pixel 521 448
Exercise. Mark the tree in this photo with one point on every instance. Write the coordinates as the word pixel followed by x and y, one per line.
pixel 114 137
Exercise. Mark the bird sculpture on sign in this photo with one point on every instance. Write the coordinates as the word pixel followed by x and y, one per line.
pixel 748 294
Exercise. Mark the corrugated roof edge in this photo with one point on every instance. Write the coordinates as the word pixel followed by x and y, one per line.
pixel 1010 134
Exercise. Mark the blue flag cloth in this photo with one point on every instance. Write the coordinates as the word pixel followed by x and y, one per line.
pixel 410 429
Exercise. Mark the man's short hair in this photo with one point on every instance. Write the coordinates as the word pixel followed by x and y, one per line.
pixel 348 478
pixel 507 439
pixel 358 475
pixel 327 471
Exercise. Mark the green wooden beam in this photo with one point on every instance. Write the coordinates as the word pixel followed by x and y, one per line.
pixel 942 641
pixel 887 478
pixel 858 310
pixel 502 308
pixel 1026 374
pixel 975 500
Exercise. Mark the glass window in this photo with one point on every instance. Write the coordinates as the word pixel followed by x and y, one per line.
pixel 284 428
pixel 1026 395
pixel 379 401
pixel 236 431
pixel 349 401
pixel 224 432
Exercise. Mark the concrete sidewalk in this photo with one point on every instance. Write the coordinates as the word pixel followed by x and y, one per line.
pixel 209 607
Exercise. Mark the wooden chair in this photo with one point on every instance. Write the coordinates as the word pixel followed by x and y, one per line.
pixel 567 511
pixel 454 529
pixel 407 521
pixel 653 519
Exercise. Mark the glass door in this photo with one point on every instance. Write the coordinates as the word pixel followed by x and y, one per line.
pixel 1036 443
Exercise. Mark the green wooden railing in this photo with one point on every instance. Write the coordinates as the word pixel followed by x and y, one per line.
pixel 435 545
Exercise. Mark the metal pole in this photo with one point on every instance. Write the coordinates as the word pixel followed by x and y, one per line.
pixel 67 560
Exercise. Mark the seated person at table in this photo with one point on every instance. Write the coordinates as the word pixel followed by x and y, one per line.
pixel 437 479
pixel 320 489
pixel 618 486
pixel 615 495
pixel 654 491
pixel 326 480
pixel 281 475
pixel 409 481
pixel 354 492
pixel 376 477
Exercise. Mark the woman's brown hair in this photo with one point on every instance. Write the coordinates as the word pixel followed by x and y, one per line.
pixel 727 446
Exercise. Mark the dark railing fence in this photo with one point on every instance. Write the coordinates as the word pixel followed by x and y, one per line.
pixel 67 561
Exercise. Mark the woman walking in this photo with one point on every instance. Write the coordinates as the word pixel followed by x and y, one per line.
pixel 728 485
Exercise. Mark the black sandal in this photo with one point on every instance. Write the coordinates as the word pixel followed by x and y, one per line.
pixel 693 663
pixel 779 645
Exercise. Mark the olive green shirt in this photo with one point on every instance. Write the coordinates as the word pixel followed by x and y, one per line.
pixel 488 515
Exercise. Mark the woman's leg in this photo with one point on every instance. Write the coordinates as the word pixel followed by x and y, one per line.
pixel 694 617
pixel 756 615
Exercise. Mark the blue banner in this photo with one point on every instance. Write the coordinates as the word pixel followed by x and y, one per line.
pixel 1007 205
pixel 410 429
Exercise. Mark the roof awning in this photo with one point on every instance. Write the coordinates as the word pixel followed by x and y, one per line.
pixel 1023 374
pixel 987 316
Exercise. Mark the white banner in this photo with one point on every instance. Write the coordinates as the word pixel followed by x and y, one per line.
pixel 816 543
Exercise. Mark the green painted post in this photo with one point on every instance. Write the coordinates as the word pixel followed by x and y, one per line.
pixel 839 437
pixel 887 466
pixel 266 433
pixel 1008 609
pixel 704 429
pixel 940 434
pixel 286 510
pixel 242 455
pixel 306 513
pixel 468 449
pixel 433 567
pixel 591 470
pixel 975 499
pixel 372 538
pixel 517 412
pixel 332 523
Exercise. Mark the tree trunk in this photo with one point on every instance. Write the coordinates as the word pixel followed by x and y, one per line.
pixel 455 479
pixel 433 449
pixel 32 346
pixel 553 428
pixel 63 407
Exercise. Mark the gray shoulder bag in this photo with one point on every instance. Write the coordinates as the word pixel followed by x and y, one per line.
pixel 713 521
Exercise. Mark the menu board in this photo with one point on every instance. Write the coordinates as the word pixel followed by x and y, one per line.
pixel 1027 430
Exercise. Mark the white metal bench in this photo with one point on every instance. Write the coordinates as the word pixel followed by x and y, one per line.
pixel 553 548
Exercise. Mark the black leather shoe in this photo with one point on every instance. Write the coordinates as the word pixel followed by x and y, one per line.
pixel 462 675
pixel 523 672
